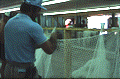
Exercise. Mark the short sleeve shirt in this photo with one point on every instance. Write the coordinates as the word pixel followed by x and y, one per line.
pixel 21 36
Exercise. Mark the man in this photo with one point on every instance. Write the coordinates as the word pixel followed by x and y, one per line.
pixel 83 25
pixel 22 37
pixel 2 53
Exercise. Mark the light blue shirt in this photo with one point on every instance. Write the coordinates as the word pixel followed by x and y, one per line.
pixel 21 35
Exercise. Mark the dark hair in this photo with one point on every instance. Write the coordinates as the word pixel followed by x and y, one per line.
pixel 83 21
pixel 25 8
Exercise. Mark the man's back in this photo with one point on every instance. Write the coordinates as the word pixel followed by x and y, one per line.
pixel 21 35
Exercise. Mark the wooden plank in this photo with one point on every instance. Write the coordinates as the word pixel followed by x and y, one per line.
pixel 79 29
pixel 67 55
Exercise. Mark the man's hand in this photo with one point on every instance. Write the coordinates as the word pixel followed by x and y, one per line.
pixel 53 40
pixel 54 36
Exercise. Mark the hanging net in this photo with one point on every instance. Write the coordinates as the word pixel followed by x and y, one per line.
pixel 91 57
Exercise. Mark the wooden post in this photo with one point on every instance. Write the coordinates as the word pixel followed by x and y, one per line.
pixel 113 19
pixel 46 21
pixel 53 21
pixel 67 54
pixel 80 20
pixel 56 19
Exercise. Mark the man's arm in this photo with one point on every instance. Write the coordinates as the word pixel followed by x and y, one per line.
pixel 50 45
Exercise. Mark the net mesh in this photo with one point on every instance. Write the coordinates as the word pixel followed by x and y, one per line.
pixel 91 57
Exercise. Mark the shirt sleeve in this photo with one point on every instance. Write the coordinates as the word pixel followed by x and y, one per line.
pixel 36 32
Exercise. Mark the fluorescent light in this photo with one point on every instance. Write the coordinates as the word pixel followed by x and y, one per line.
pixel 79 11
pixel 66 12
pixel 54 2
pixel 48 14
pixel 9 10
pixel 71 12
pixel 14 9
pixel 59 13
pixel 106 8
pixel 2 12
pixel 92 10
pixel 117 7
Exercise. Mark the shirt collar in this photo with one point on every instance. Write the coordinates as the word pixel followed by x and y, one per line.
pixel 23 15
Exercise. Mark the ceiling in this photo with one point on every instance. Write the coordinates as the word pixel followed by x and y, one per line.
pixel 70 5
pixel 8 3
